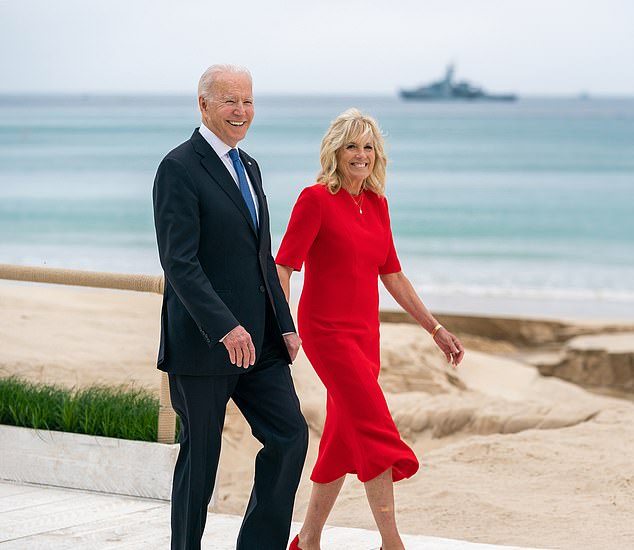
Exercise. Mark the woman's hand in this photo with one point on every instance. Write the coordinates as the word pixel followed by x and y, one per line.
pixel 450 346
pixel 401 289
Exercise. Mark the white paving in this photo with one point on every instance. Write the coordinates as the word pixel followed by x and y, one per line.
pixel 38 517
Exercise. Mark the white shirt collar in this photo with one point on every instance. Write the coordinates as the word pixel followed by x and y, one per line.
pixel 219 146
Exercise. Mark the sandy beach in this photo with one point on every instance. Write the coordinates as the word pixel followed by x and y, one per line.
pixel 529 443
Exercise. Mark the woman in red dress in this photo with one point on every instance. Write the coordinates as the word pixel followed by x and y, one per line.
pixel 340 230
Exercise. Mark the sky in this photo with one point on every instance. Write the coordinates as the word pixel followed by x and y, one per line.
pixel 531 47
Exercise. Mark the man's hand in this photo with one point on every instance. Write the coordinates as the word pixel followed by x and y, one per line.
pixel 240 347
pixel 293 343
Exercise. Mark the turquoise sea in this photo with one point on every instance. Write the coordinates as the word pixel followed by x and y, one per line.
pixel 514 208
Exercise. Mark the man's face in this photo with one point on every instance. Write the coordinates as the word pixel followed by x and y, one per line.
pixel 229 111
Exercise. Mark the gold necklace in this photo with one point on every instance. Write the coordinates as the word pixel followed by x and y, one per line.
pixel 358 203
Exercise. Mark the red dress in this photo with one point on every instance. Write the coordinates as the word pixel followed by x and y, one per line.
pixel 338 317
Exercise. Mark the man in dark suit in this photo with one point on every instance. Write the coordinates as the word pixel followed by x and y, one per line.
pixel 226 329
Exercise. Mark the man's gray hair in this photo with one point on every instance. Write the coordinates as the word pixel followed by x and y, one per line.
pixel 210 76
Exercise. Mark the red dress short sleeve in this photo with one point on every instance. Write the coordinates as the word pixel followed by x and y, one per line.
pixel 392 264
pixel 302 230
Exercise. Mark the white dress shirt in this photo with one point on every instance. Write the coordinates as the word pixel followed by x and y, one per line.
pixel 222 150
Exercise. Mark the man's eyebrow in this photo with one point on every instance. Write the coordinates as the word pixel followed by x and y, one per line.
pixel 231 97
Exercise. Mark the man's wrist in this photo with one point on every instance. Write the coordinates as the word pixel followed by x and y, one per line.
pixel 228 333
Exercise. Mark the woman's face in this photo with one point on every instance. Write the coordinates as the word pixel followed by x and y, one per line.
pixel 355 160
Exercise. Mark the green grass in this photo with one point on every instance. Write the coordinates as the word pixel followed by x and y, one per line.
pixel 100 410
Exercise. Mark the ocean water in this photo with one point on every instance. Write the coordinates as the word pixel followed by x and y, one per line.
pixel 523 207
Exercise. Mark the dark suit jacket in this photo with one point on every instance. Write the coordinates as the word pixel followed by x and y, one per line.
pixel 219 272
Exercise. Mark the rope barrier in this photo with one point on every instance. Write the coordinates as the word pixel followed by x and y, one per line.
pixel 117 281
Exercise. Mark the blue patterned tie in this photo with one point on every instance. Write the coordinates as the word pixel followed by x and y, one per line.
pixel 244 185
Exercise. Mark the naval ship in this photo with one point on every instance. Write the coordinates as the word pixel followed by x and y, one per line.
pixel 448 90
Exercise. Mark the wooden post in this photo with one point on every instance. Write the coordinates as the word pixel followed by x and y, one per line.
pixel 166 416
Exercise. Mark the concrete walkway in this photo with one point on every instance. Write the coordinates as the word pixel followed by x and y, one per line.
pixel 38 517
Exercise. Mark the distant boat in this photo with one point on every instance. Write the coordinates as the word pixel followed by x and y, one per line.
pixel 448 90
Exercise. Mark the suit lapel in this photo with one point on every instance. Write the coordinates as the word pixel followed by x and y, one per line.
pixel 219 173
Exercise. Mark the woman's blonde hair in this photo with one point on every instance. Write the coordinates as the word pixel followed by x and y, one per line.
pixel 352 125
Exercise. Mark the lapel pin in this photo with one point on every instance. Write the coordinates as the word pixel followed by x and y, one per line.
pixel 249 162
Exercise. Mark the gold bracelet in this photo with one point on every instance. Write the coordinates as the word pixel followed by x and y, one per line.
pixel 435 330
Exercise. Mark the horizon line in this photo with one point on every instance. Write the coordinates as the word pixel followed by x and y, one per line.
pixel 174 94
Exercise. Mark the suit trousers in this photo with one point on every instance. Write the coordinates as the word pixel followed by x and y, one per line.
pixel 266 397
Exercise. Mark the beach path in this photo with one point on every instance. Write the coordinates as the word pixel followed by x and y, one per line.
pixel 36 517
